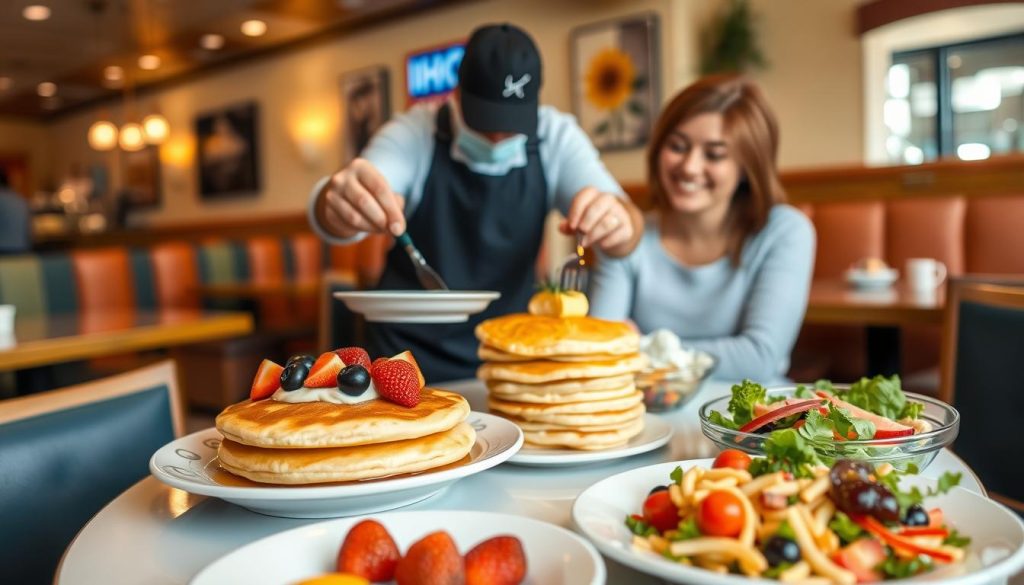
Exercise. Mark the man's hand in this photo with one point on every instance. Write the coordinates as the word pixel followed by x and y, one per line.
pixel 358 199
pixel 611 223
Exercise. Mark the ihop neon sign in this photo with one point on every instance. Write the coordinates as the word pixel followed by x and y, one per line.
pixel 432 74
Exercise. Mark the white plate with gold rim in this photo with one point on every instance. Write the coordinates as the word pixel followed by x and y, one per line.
pixel 657 432
pixel 190 464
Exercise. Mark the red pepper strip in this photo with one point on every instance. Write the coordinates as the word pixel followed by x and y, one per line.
pixel 924 531
pixel 878 529
pixel 782 412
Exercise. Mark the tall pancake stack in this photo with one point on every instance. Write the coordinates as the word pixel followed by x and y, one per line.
pixel 567 381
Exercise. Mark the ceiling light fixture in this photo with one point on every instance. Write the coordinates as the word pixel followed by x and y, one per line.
pixel 113 73
pixel 149 62
pixel 155 128
pixel 211 42
pixel 103 135
pixel 254 28
pixel 132 137
pixel 36 12
pixel 47 89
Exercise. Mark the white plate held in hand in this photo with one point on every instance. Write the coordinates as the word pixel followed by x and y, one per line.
pixel 417 306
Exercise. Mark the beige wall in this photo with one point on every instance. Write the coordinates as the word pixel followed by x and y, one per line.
pixel 814 81
pixel 19 138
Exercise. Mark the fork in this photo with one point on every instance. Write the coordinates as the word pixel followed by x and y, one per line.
pixel 428 277
pixel 575 272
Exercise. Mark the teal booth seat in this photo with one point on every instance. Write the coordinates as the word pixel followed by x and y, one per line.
pixel 65 454
pixel 39 284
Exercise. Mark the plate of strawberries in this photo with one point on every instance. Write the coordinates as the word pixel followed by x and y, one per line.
pixel 413 548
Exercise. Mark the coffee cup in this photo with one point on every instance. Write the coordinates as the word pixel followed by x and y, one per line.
pixel 925 274
pixel 7 320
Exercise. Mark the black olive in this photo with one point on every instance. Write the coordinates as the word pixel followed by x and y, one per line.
pixel 780 550
pixel 353 380
pixel 294 375
pixel 846 470
pixel 657 488
pixel 916 516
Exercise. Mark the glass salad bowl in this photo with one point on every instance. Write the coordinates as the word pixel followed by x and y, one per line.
pixel 918 449
pixel 669 388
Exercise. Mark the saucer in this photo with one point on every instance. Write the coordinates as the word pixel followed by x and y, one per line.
pixel 417 306
pixel 872 280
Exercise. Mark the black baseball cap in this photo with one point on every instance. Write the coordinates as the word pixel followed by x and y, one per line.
pixel 499 80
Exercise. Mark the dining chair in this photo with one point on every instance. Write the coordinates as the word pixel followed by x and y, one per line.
pixel 66 453
pixel 982 368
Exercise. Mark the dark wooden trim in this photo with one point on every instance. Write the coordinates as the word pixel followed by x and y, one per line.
pixel 876 13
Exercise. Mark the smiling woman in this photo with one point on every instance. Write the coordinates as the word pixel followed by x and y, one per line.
pixel 723 262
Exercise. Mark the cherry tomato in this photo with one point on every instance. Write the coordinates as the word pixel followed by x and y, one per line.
pixel 720 514
pixel 660 512
pixel 732 458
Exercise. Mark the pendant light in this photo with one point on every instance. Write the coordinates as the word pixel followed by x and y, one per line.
pixel 103 135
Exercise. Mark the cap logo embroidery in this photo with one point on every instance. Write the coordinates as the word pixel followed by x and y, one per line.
pixel 515 87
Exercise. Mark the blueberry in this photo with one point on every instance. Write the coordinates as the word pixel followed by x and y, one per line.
pixel 658 488
pixel 306 359
pixel 780 550
pixel 353 380
pixel 294 375
pixel 916 516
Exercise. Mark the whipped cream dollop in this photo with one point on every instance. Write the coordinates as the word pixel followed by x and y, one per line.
pixel 664 349
pixel 332 394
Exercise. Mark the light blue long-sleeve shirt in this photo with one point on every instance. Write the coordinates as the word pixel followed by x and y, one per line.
pixel 748 315
pixel 403 149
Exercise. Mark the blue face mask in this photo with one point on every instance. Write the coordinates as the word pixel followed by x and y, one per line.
pixel 480 150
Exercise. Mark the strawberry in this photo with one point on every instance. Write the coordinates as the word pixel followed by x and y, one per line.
pixel 354 355
pixel 407 356
pixel 496 561
pixel 369 551
pixel 324 372
pixel 396 380
pixel 432 560
pixel 267 380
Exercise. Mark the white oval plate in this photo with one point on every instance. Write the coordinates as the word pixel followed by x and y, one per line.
pixel 996 550
pixel 554 555
pixel 657 431
pixel 872 280
pixel 188 464
pixel 417 306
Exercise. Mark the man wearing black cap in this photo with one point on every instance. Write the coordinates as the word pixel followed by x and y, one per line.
pixel 472 181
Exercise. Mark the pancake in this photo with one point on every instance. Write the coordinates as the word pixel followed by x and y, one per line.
pixel 586 441
pixel 541 397
pixel 529 425
pixel 299 466
pixel 490 354
pixel 571 386
pixel 277 425
pixel 581 419
pixel 541 336
pixel 530 410
pixel 542 371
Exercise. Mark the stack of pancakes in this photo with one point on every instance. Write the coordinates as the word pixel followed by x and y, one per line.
pixel 315 442
pixel 566 381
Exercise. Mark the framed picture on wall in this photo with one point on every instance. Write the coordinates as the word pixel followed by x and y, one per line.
pixel 616 80
pixel 365 105
pixel 141 182
pixel 227 149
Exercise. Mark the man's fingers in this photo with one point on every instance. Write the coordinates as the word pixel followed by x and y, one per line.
pixel 375 184
pixel 366 205
pixel 595 213
pixel 615 237
pixel 347 217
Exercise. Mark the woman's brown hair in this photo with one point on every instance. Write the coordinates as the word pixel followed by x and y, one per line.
pixel 752 132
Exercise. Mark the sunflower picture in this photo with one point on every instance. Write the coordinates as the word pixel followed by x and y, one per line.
pixel 615 80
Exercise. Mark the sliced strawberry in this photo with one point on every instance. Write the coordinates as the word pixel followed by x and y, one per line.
pixel 369 551
pixel 396 381
pixel 267 380
pixel 324 373
pixel 861 557
pixel 407 356
pixel 884 428
pixel 354 355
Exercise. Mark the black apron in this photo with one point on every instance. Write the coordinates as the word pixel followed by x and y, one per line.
pixel 480 232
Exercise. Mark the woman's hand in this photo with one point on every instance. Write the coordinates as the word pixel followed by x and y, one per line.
pixel 611 223
pixel 358 199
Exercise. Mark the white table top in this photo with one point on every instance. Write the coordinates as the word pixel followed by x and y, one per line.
pixel 155 534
